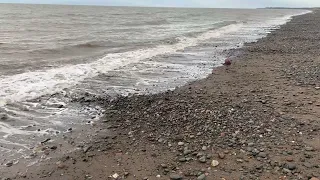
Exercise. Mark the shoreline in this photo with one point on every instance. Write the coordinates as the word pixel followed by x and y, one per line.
pixel 246 117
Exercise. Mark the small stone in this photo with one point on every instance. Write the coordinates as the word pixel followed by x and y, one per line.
pixel 201 177
pixel 289 159
pixel 46 152
pixel 163 165
pixel 53 147
pixel 158 176
pixel 200 154
pixel 115 175
pixel 286 171
pixel 183 159
pixel 186 152
pixel 255 152
pixel 291 166
pixel 309 149
pixel 203 159
pixel 221 155
pixel 9 164
pixel 209 156
pixel 60 165
pixel 314 178
pixel 145 178
pixel 86 149
pixel 175 177
pixel 250 144
pixel 214 163
pixel 308 165
pixel 306 155
pixel 3 116
pixel 240 160
pixel 204 148
pixel 262 155
pixel 22 175
pixel 180 143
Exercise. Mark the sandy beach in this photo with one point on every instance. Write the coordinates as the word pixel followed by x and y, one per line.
pixel 256 119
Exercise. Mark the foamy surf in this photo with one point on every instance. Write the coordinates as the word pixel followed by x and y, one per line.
pixel 37 102
pixel 31 85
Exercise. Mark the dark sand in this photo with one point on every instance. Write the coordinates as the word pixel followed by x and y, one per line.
pixel 259 119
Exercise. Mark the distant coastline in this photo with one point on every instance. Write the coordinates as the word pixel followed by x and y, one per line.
pixel 289 8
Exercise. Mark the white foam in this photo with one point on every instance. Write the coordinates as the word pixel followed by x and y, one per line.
pixel 2 141
pixel 31 85
pixel 9 130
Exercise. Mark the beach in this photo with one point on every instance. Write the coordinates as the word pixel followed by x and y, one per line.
pixel 255 119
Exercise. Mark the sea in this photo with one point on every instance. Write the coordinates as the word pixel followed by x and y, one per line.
pixel 52 56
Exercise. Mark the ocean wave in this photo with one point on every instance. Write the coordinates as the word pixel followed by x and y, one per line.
pixel 31 85
pixel 77 47
pixel 94 44
pixel 222 24
pixel 148 23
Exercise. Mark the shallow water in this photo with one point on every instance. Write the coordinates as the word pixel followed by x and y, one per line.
pixel 53 54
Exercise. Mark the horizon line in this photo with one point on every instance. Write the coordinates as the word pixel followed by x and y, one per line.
pixel 197 7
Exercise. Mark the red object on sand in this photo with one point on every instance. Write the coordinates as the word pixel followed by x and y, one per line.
pixel 227 62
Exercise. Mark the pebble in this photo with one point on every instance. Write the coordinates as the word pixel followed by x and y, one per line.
pixel 289 159
pixel 201 177
pixel 3 116
pixel 186 152
pixel 255 152
pixel 175 177
pixel 86 149
pixel 314 178
pixel 240 160
pixel 163 165
pixel 180 143
pixel 309 149
pixel 204 148
pixel 286 171
pixel 262 154
pixel 60 165
pixel 200 154
pixel 221 155
pixel 209 156
pixel 115 175
pixel 308 165
pixel 291 166
pixel 214 163
pixel 9 164
pixel 183 159
pixel 203 159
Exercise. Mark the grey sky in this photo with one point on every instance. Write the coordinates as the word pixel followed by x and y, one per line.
pixel 181 3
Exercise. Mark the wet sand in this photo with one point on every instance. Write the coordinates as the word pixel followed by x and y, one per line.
pixel 259 118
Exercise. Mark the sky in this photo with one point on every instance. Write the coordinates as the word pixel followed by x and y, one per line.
pixel 181 3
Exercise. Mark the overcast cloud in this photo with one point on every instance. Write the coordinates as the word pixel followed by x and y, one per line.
pixel 181 3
